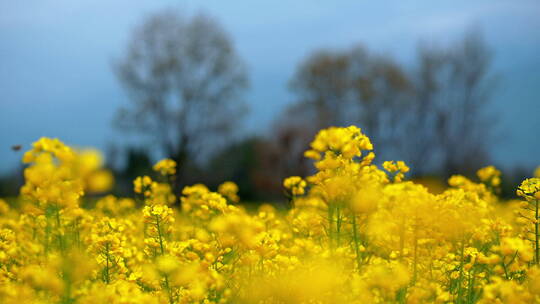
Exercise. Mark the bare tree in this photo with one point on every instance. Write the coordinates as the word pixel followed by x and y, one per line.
pixel 323 84
pixel 383 94
pixel 450 114
pixel 436 117
pixel 184 80
pixel 353 87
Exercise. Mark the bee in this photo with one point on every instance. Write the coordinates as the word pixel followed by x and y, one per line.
pixel 16 147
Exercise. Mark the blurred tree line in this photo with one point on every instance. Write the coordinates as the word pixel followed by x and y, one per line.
pixel 185 83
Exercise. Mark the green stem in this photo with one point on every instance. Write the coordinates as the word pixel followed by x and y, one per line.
pixel 402 238
pixel 330 225
pixel 167 286
pixel 356 243
pixel 472 279
pixel 160 238
pixel 58 228
pixel 66 297
pixel 415 263
pixel 47 233
pixel 77 234
pixel 461 264
pixel 107 273
pixel 166 278
pixel 505 269
pixel 338 225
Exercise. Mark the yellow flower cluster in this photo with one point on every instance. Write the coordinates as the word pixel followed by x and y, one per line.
pixel 295 184
pixel 348 142
pixel 490 175
pixel 58 176
pixel 530 189
pixel 230 191
pixel 355 233
pixel 165 167
pixel 398 168
pixel 51 176
pixel 152 191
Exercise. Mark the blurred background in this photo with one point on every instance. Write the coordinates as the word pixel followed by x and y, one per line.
pixel 237 90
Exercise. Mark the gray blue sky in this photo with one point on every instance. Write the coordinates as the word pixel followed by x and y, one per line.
pixel 56 78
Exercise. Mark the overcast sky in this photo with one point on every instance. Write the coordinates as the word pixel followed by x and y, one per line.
pixel 55 58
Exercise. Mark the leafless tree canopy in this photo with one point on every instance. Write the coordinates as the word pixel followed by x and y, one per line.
pixel 353 87
pixel 184 80
pixel 450 113
pixel 435 113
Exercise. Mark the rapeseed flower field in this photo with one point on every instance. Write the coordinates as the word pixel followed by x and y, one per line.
pixel 355 233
